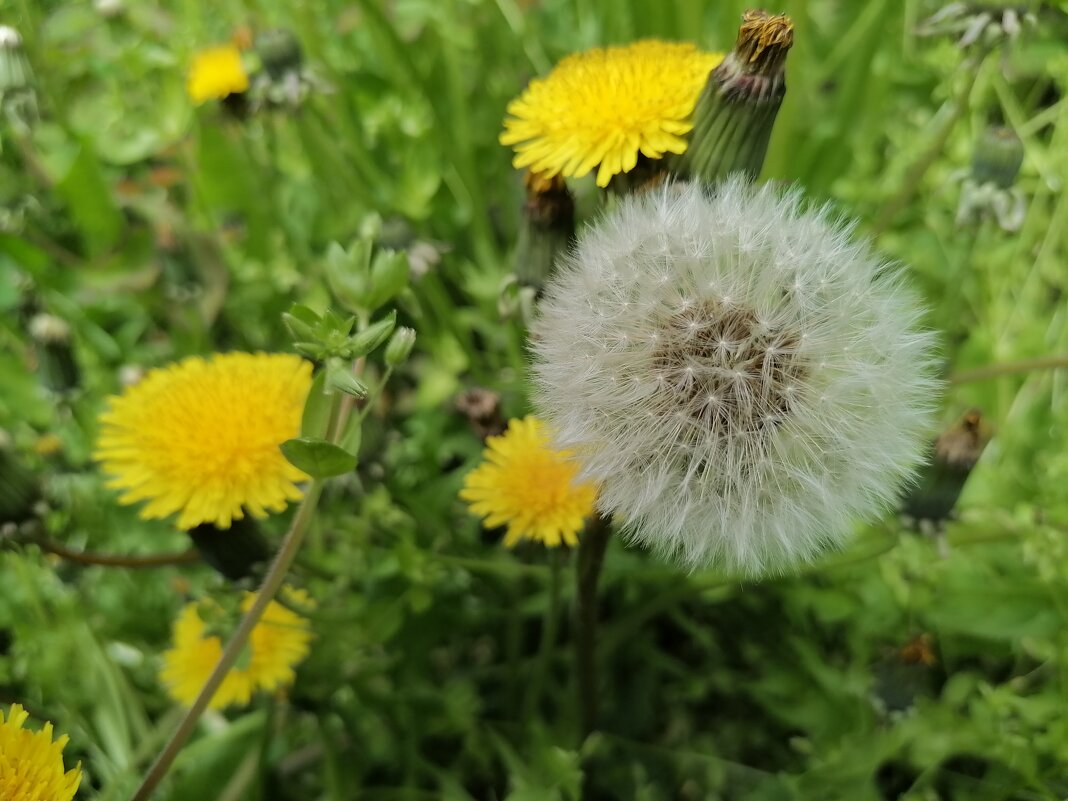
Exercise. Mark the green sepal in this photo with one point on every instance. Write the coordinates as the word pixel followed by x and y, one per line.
pixel 371 337
pixel 339 377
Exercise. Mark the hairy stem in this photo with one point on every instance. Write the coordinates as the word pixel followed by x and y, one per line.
pixel 591 552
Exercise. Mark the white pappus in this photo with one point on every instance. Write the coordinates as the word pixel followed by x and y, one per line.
pixel 743 378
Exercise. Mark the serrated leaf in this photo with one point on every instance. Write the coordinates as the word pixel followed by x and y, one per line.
pixel 317 457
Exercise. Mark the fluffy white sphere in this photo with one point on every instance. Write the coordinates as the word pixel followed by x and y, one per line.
pixel 742 378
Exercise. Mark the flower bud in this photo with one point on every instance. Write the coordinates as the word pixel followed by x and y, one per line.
pixel 953 456
pixel 279 51
pixel 400 346
pixel 999 154
pixel 547 228
pixel 736 112
pixel 55 357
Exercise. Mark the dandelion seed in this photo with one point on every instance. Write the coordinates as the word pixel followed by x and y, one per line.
pixel 31 764
pixel 822 402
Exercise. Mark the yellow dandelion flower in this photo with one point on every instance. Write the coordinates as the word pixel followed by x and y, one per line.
pixel 606 105
pixel 530 486
pixel 215 73
pixel 31 765
pixel 201 437
pixel 278 643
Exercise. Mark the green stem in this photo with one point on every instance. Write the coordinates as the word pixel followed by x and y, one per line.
pixel 1009 368
pixel 592 547
pixel 114 560
pixel 271 584
pixel 549 628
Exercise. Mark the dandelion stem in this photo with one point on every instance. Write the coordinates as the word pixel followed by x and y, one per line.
pixel 549 627
pixel 114 560
pixel 1009 368
pixel 592 547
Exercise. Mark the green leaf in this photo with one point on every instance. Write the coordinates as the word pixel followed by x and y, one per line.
pixel 89 198
pixel 389 275
pixel 317 457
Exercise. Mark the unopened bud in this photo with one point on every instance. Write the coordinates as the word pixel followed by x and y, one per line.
pixel 736 111
pixel 280 52
pixel 400 346
pixel 953 455
pixel 999 154
pixel 547 228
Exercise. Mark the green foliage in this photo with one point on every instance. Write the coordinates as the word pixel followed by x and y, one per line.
pixel 908 666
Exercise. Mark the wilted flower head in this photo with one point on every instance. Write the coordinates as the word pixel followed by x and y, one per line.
pixel 603 107
pixel 31 764
pixel 741 378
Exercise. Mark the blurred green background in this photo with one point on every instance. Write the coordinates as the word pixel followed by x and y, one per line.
pixel 904 667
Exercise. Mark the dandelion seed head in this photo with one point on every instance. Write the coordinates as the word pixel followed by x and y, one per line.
pixel 780 383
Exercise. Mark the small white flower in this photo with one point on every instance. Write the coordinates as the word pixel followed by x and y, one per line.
pixel 749 409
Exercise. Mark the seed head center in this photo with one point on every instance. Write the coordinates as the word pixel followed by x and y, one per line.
pixel 724 368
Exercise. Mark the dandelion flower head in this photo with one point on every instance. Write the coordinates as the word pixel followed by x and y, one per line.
pixel 528 485
pixel 201 438
pixel 278 643
pixel 742 378
pixel 215 73
pixel 31 764
pixel 605 106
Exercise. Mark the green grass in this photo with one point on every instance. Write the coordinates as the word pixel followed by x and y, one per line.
pixel 158 230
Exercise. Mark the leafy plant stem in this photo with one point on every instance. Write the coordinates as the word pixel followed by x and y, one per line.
pixel 272 582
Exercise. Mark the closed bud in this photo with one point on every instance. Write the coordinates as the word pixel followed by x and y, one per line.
pixel 400 346
pixel 736 112
pixel 371 337
pixel 547 228
pixel 55 357
pixel 279 51
pixel 999 154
